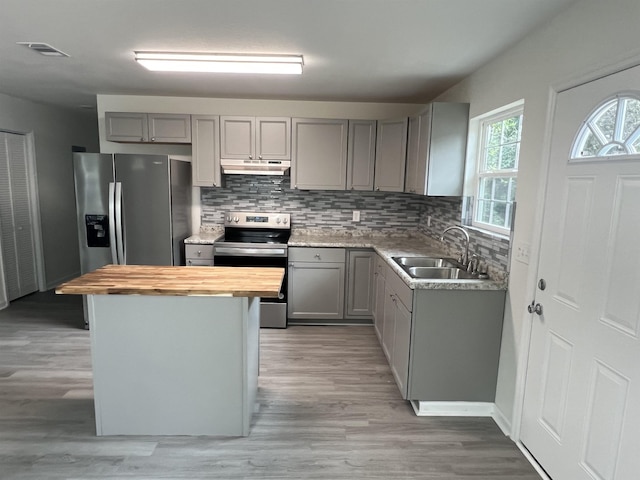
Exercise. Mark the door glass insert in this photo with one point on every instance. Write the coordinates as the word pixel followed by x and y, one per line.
pixel 612 130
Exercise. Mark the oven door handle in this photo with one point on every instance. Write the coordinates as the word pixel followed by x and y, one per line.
pixel 240 252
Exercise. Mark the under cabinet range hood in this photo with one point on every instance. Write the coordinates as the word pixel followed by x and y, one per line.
pixel 255 167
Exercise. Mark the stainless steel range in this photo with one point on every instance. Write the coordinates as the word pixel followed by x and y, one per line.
pixel 257 239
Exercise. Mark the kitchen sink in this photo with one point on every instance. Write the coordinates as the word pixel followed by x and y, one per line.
pixel 440 273
pixel 435 268
pixel 408 262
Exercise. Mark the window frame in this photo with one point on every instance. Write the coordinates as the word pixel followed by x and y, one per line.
pixel 483 122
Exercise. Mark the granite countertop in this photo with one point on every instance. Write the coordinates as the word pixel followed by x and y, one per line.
pixel 204 238
pixel 396 246
pixel 387 247
pixel 177 281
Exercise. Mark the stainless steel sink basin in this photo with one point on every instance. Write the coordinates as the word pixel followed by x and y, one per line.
pixel 408 262
pixel 442 273
pixel 435 268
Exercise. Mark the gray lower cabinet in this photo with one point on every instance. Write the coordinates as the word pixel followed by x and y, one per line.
pixel 396 328
pixel 455 345
pixel 441 345
pixel 198 255
pixel 316 283
pixel 380 271
pixel 360 285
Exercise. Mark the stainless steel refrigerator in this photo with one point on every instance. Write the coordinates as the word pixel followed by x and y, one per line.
pixel 132 209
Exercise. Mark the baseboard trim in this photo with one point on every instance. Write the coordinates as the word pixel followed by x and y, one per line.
pixel 55 283
pixel 453 409
pixel 503 423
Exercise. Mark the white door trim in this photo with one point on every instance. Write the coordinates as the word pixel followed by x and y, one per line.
pixel 599 71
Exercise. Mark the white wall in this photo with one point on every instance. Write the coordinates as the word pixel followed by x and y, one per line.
pixel 54 131
pixel 234 106
pixel 586 37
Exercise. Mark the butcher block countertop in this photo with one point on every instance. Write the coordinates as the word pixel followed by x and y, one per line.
pixel 183 281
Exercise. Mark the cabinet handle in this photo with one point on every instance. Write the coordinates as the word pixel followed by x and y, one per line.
pixel 153 139
pixel 199 252
pixel 317 256
pixel 250 157
pixel 142 139
pixel 190 262
pixel 260 157
pixel 377 189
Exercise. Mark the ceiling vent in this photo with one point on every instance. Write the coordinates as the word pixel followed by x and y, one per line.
pixel 43 49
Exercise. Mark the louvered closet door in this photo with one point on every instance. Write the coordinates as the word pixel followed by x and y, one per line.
pixel 16 223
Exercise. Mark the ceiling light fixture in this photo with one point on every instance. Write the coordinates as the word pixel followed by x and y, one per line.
pixel 43 49
pixel 220 63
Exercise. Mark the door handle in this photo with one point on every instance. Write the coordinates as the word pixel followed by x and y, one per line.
pixel 535 308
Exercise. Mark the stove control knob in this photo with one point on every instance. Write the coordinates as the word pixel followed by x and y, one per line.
pixel 228 219
pixel 284 220
pixel 236 219
pixel 278 220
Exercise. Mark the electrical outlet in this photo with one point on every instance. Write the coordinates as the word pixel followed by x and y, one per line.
pixel 428 220
pixel 356 215
pixel 523 251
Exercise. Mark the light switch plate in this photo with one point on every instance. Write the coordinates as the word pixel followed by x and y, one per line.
pixel 522 252
pixel 356 215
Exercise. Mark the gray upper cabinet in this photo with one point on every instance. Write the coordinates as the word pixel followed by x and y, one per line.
pixel 319 154
pixel 391 152
pixel 205 151
pixel 360 285
pixel 437 149
pixel 129 127
pixel 361 154
pixel 255 138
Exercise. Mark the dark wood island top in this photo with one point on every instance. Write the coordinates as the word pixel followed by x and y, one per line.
pixel 183 281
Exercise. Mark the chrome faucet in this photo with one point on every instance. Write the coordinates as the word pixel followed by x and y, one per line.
pixel 465 256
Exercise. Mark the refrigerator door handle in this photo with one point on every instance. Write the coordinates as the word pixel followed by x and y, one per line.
pixel 112 223
pixel 120 234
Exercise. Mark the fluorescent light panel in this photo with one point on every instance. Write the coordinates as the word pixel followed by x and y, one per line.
pixel 220 63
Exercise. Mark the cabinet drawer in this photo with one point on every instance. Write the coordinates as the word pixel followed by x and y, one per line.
pixel 195 251
pixel 403 292
pixel 312 254
pixel 197 262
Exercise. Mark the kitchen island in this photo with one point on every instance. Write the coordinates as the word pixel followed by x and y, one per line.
pixel 175 349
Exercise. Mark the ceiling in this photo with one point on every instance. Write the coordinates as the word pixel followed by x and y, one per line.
pixel 401 51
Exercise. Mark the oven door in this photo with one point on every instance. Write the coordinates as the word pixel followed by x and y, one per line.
pixel 273 311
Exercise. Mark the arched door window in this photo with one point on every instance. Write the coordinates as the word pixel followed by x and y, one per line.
pixel 612 129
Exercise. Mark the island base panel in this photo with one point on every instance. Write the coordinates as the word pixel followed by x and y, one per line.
pixel 174 365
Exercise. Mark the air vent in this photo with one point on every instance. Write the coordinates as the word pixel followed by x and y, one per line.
pixel 43 49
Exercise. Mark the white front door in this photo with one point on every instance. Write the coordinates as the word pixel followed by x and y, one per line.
pixel 581 416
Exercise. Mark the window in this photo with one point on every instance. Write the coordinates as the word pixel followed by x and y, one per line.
pixel 497 169
pixel 613 129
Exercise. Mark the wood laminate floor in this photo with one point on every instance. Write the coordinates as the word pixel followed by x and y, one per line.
pixel 329 409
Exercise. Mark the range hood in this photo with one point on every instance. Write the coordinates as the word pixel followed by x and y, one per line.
pixel 255 167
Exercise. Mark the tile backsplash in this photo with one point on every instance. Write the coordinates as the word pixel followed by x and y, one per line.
pixel 381 213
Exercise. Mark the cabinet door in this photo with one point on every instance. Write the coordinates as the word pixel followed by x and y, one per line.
pixel 126 127
pixel 447 147
pixel 205 151
pixel 273 138
pixel 391 153
pixel 361 155
pixel 360 286
pixel 319 154
pixel 316 290
pixel 378 312
pixel 169 128
pixel 237 138
pixel 389 323
pixel 416 155
pixel 401 345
